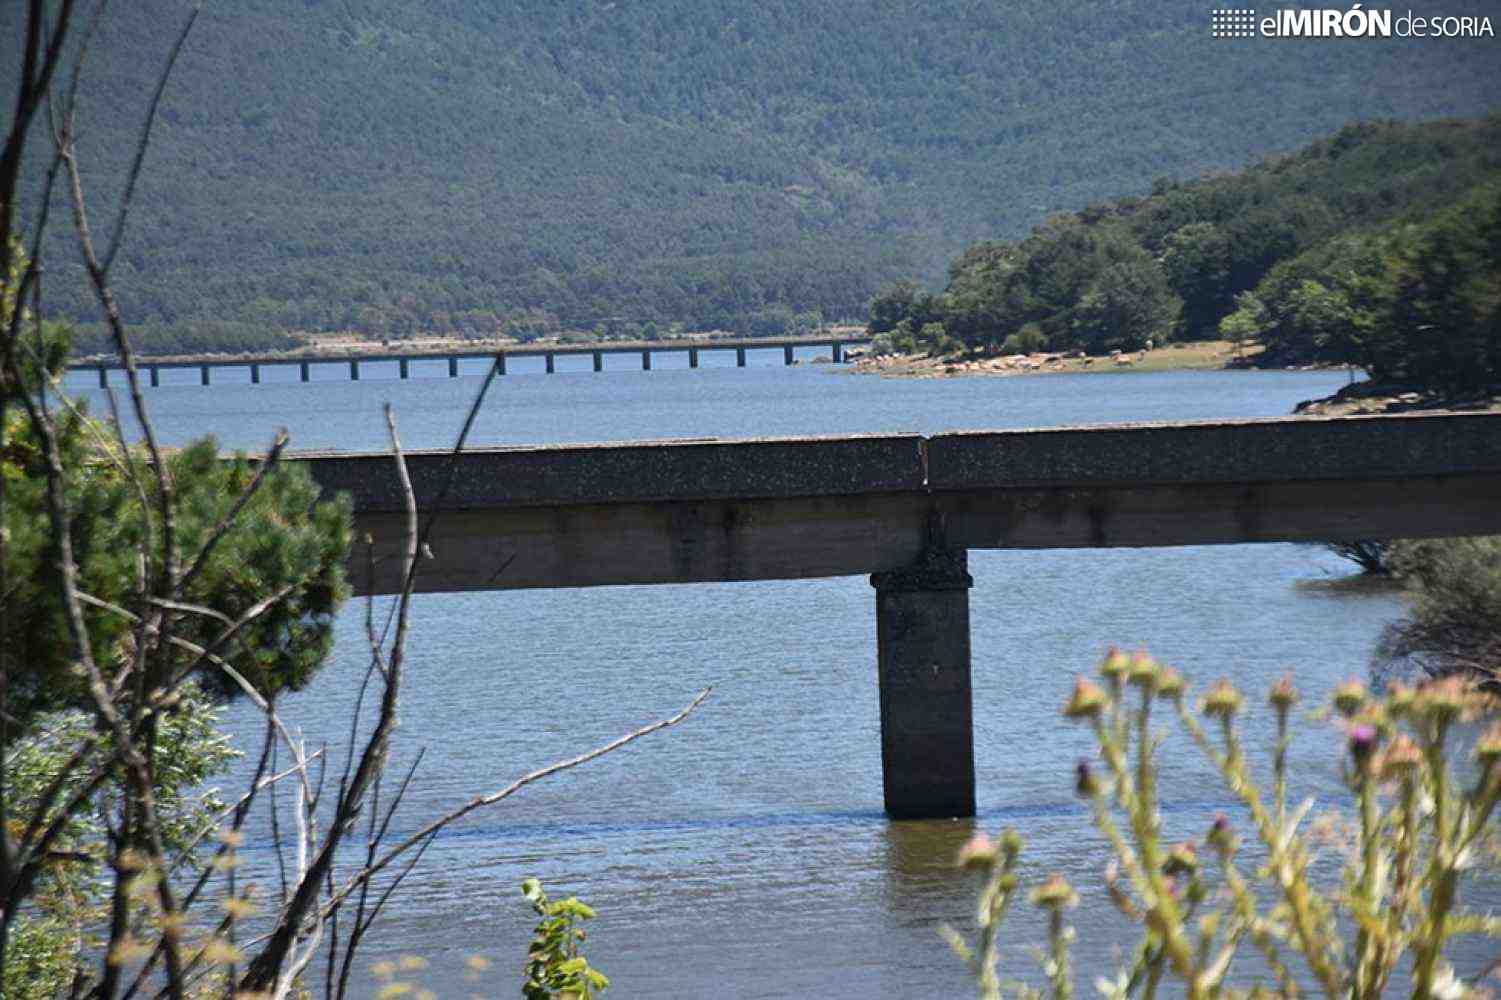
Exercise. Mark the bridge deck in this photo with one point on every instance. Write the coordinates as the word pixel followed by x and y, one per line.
pixel 720 510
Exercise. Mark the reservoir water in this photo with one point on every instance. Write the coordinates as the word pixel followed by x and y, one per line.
pixel 744 853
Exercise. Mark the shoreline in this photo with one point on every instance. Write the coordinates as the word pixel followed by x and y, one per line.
pixel 1208 355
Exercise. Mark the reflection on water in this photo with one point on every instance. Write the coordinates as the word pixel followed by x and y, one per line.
pixel 744 853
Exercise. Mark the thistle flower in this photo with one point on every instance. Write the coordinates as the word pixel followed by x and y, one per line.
pixel 1363 740
pixel 1087 700
pixel 1223 701
pixel 1349 698
pixel 1055 894
pixel 1170 683
pixel 1284 695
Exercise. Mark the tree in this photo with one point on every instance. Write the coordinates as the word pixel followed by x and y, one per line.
pixel 1454 625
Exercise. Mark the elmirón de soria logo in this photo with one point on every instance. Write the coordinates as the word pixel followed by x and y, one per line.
pixel 1352 22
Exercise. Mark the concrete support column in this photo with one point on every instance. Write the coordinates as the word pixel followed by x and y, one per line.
pixel 403 369
pixel 500 364
pixel 354 371
pixel 836 353
pixel 304 372
pixel 692 357
pixel 453 367
pixel 551 363
pixel 646 361
pixel 255 374
pixel 787 354
pixel 739 357
pixel 156 376
pixel 203 374
pixel 103 377
pixel 927 729
pixel 599 361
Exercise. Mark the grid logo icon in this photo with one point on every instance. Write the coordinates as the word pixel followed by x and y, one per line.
pixel 1232 22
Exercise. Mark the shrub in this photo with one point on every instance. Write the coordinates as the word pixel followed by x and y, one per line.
pixel 1418 829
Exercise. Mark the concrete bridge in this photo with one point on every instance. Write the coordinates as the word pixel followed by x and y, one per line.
pixel 407 360
pixel 906 509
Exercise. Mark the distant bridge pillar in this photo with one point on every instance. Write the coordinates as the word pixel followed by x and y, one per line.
pixel 646 361
pixel 203 374
pixel 786 354
pixel 255 374
pixel 927 726
pixel 836 352
pixel 599 361
pixel 692 357
pixel 739 357
pixel 103 377
pixel 403 368
pixel 500 364
pixel 551 363
pixel 304 372
pixel 453 367
pixel 354 371
pixel 156 376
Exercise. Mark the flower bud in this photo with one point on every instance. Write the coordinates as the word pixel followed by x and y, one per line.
pixel 1087 700
pixel 1222 701
pixel 1055 894
pixel 1221 836
pixel 978 851
pixel 1142 671
pixel 1488 747
pixel 1183 858
pixel 1085 782
pixel 1169 683
pixel 1284 695
pixel 1441 700
pixel 1011 843
pixel 1115 665
pixel 1349 697
pixel 1398 758
pixel 1399 700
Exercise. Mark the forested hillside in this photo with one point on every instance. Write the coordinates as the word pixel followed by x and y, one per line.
pixel 1378 246
pixel 464 165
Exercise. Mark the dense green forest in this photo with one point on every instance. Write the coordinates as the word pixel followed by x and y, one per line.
pixel 466 166
pixel 1379 245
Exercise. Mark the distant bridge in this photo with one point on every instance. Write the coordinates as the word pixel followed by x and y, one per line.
pixel 405 359
pixel 906 509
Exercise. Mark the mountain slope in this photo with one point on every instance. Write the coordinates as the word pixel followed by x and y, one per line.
pixel 461 164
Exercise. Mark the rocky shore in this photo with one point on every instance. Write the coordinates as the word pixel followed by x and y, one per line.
pixel 1391 397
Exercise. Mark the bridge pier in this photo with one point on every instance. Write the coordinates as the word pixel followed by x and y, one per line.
pixel 836 352
pixel 739 357
pixel 203 374
pixel 354 371
pixel 646 361
pixel 786 354
pixel 156 376
pixel 500 364
pixel 453 367
pixel 923 655
pixel 255 374
pixel 692 357
pixel 303 371
pixel 403 368
pixel 599 361
pixel 103 377
pixel 551 364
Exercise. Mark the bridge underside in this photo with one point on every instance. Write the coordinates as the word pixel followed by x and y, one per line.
pixel 591 545
pixel 907 510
